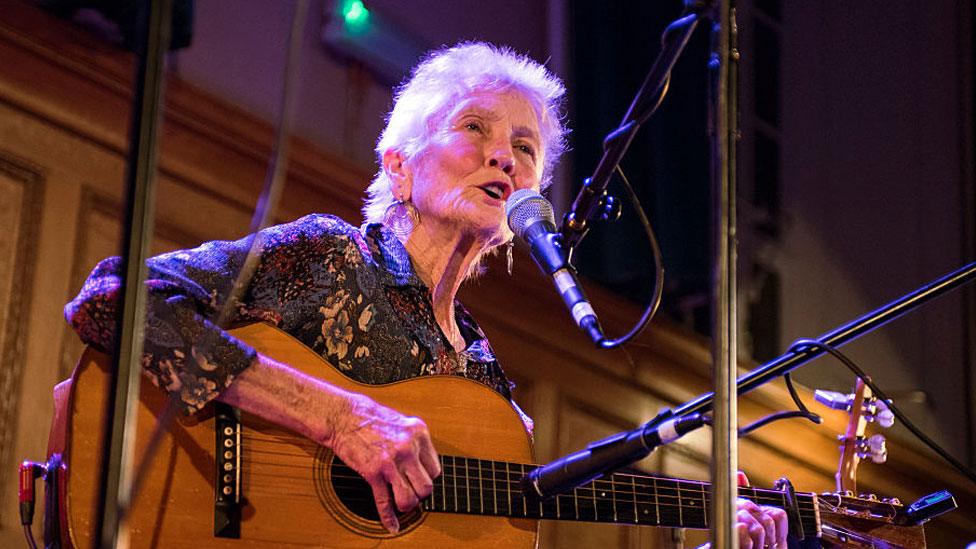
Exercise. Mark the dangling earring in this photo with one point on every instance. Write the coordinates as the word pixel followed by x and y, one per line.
pixel 509 255
pixel 401 217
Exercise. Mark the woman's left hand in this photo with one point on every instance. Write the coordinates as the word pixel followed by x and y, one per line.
pixel 761 526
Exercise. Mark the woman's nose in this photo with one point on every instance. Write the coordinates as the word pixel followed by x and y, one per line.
pixel 502 157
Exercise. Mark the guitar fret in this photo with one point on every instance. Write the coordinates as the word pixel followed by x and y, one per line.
pixel 454 484
pixel 596 514
pixel 494 488
pixel 444 482
pixel 657 506
pixel 617 498
pixel 681 518
pixel 613 499
pixel 467 486
pixel 633 486
pixel 704 498
pixel 508 488
pixel 576 503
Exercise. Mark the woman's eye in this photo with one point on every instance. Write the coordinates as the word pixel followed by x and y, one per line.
pixel 527 149
pixel 473 126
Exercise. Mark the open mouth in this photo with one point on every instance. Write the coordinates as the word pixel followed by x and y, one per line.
pixel 495 190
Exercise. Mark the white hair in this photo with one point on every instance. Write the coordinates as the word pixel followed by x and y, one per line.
pixel 440 81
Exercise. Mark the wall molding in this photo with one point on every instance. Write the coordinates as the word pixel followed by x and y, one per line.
pixel 32 178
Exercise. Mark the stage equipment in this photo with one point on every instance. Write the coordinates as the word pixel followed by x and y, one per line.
pixel 531 219
pixel 355 32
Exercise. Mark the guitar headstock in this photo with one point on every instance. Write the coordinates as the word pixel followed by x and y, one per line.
pixel 866 521
pixel 863 408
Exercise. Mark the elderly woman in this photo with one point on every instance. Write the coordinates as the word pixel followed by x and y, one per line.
pixel 471 126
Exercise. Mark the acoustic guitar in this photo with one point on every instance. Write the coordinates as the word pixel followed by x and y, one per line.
pixel 228 481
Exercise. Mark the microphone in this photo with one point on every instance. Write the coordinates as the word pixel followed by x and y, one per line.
pixel 605 456
pixel 531 219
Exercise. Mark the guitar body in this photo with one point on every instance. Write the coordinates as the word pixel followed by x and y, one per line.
pixel 285 478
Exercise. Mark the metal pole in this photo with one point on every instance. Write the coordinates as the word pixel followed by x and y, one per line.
pixel 724 348
pixel 119 445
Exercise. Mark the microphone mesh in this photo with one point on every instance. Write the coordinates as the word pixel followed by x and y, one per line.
pixel 526 206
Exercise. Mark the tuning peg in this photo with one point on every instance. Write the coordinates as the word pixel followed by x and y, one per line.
pixel 833 399
pixel 875 448
pixel 883 415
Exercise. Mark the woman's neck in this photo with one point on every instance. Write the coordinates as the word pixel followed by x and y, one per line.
pixel 442 259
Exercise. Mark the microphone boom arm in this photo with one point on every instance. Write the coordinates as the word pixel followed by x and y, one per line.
pixel 589 204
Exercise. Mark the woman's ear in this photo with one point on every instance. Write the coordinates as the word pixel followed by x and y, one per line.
pixel 401 177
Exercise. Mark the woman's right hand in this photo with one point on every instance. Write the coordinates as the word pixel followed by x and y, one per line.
pixel 389 450
pixel 386 447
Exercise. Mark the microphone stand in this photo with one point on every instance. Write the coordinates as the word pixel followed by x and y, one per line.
pixel 119 444
pixel 590 202
pixel 723 118
pixel 842 335
pixel 624 448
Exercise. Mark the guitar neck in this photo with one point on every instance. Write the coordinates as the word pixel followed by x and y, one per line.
pixel 476 486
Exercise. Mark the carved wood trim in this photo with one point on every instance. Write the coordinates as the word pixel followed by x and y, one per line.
pixel 32 178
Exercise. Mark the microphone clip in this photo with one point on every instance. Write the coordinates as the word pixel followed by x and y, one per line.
pixel 605 208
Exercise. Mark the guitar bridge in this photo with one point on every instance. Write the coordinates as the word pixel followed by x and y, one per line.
pixel 227 471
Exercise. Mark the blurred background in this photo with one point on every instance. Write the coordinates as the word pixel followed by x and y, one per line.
pixel 856 185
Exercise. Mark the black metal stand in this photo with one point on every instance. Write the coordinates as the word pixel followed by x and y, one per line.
pixel 117 451
pixel 581 467
pixel 835 338
pixel 589 203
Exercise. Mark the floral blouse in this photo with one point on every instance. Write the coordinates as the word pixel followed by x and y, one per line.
pixel 349 294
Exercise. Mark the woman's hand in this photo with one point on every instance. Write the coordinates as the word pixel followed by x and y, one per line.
pixel 388 449
pixel 761 526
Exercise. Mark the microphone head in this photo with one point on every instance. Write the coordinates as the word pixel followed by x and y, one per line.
pixel 524 208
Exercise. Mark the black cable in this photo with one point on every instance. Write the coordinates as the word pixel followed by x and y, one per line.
pixel 655 301
pixel 30 537
pixel 748 429
pixel 788 379
pixel 803 412
pixel 801 345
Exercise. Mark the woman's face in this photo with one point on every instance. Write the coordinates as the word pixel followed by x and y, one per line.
pixel 487 147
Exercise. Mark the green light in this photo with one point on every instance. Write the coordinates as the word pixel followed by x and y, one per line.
pixel 355 14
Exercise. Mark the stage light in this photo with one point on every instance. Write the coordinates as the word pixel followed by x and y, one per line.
pixel 355 14
pixel 353 31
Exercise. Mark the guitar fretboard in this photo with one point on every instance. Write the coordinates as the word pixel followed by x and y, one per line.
pixel 483 487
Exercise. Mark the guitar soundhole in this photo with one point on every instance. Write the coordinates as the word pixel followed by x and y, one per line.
pixel 350 499
pixel 353 491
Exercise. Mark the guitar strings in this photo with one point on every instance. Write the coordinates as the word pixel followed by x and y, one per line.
pixel 684 495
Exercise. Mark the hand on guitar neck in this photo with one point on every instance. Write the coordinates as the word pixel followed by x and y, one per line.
pixel 759 526
pixel 389 449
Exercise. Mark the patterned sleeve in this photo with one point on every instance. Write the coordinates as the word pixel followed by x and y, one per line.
pixel 184 350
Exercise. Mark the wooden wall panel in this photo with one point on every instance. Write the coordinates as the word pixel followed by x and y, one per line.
pixel 21 189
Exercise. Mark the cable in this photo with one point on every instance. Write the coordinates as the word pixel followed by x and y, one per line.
pixel 801 345
pixel 655 301
pixel 30 537
pixel 803 412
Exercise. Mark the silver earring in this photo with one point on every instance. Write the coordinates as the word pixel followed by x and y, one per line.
pixel 401 217
pixel 510 256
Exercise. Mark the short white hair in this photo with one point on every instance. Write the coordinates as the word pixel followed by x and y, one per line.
pixel 440 81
